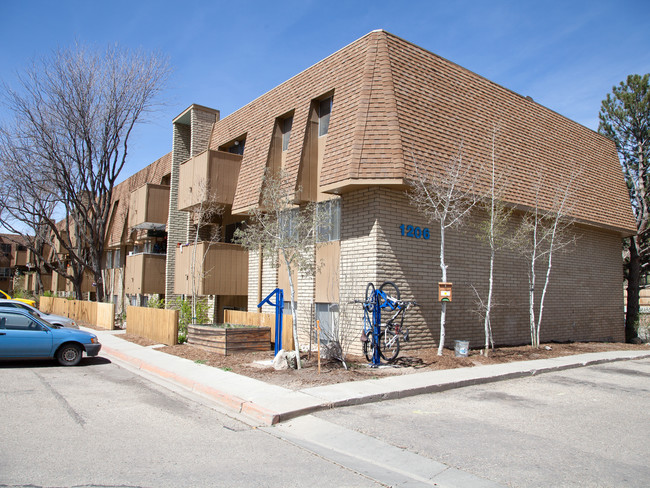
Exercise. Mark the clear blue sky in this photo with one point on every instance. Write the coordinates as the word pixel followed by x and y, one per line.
pixel 566 54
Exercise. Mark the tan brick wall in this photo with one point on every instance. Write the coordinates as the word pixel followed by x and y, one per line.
pixel 359 230
pixel 583 301
pixel 178 221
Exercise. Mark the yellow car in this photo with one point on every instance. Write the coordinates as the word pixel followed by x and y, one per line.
pixel 24 300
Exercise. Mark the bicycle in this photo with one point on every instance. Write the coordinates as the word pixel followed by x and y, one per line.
pixel 387 297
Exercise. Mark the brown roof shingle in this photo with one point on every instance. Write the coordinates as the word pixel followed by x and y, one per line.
pixel 393 99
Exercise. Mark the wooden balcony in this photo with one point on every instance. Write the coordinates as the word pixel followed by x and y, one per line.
pixel 225 266
pixel 57 283
pixel 213 173
pixel 86 283
pixel 149 207
pixel 20 258
pixel 145 273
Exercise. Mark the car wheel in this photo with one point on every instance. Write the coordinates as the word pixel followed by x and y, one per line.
pixel 69 355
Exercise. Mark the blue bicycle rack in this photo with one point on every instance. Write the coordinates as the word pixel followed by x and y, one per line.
pixel 376 329
pixel 279 309
pixel 376 324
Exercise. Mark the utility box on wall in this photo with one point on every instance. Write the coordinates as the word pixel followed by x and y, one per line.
pixel 444 291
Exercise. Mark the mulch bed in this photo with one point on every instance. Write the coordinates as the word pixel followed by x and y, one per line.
pixel 332 371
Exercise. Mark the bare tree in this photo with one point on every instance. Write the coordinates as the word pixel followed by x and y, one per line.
pixel 541 234
pixel 282 230
pixel 445 196
pixel 27 209
pixel 493 230
pixel 74 113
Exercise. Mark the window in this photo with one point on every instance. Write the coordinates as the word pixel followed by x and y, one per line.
pixel 5 248
pixel 237 147
pixel 109 259
pixel 285 127
pixel 288 226
pixel 324 111
pixel 328 316
pixel 20 322
pixel 5 272
pixel 229 236
pixel 286 310
pixel 330 222
pixel 116 258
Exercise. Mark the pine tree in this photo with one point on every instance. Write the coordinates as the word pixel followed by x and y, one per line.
pixel 625 118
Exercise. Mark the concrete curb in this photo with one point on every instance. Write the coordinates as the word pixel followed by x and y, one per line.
pixel 369 391
pixel 223 398
pixel 271 404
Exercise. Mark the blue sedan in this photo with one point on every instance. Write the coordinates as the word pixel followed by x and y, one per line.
pixel 24 336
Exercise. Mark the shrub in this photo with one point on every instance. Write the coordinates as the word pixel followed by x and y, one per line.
pixel 155 301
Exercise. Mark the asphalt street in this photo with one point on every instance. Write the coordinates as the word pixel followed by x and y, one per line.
pixel 584 427
pixel 101 425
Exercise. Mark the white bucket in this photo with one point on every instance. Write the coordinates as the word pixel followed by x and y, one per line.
pixel 462 349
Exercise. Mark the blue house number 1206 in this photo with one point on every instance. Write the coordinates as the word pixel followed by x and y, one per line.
pixel 417 232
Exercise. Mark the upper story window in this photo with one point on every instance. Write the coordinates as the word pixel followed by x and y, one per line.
pixel 285 127
pixel 288 224
pixel 5 272
pixel 324 111
pixel 235 146
pixel 5 248
pixel 329 220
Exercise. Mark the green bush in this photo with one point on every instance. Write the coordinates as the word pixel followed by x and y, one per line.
pixel 184 307
pixel 155 301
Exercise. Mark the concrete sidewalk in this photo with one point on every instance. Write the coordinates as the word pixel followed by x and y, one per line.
pixel 269 404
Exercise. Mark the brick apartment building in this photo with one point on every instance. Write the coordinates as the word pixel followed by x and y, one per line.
pixel 13 260
pixel 347 131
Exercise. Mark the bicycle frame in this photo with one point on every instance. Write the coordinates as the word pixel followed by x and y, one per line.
pixel 375 301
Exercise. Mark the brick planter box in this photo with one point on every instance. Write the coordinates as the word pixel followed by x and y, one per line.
pixel 228 340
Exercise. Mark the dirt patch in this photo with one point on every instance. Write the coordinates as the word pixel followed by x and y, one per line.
pixel 248 363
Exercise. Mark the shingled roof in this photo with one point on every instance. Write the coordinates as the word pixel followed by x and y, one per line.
pixel 393 99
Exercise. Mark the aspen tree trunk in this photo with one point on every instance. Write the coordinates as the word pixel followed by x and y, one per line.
pixel 532 285
pixel 488 327
pixel 443 267
pixel 293 310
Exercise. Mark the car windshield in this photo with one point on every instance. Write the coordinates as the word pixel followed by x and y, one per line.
pixel 34 313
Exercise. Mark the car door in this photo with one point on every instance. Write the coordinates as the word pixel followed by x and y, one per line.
pixel 21 336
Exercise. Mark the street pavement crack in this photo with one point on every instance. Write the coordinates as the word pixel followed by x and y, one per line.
pixel 64 403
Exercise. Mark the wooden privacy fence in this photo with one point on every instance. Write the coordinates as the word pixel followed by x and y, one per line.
pixel 95 313
pixel 263 320
pixel 159 325
pixel 644 297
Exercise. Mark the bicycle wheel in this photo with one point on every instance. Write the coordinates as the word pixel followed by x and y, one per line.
pixel 389 345
pixel 370 292
pixel 368 347
pixel 389 292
